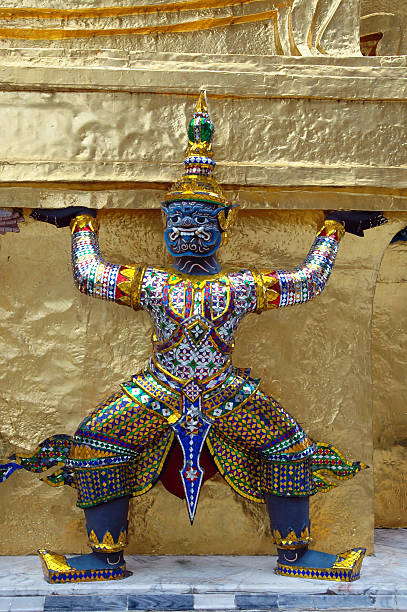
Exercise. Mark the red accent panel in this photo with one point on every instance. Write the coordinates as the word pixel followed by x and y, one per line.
pixel 120 279
pixel 334 235
pixel 86 228
pixel 170 476
pixel 275 287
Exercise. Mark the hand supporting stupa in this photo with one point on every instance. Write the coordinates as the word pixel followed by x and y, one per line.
pixel 92 274
pixel 61 217
pixel 9 220
pixel 357 221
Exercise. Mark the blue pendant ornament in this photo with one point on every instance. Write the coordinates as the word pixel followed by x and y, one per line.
pixel 191 431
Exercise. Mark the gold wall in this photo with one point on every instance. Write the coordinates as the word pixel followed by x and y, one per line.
pixel 62 352
pixel 389 388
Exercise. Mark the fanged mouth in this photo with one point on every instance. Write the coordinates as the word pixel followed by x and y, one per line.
pixel 198 232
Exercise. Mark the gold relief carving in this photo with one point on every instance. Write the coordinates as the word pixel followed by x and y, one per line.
pixel 292 541
pixel 381 27
pixel 187 26
pixel 269 281
pixel 302 445
pixel 197 282
pixel 307 21
pixel 301 27
pixel 117 11
pixel 125 288
pixel 108 544
pixel 331 227
pixel 200 188
pixel 270 297
pixel 82 221
pixel 346 568
pixel 128 272
pixel 224 239
pixel 173 418
pixel 131 288
pixel 200 148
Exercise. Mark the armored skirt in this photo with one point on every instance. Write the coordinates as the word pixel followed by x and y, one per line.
pixel 121 447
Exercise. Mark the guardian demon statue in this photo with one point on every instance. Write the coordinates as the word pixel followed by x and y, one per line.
pixel 190 398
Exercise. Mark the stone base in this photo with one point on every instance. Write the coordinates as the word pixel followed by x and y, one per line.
pixel 212 583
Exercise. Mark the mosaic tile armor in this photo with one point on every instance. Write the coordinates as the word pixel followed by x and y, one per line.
pixel 190 389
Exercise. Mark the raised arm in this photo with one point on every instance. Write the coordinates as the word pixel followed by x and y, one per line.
pixel 92 274
pixel 277 288
pixel 97 277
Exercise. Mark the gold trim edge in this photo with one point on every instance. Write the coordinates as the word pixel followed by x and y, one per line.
pixel 187 26
pixel 7 13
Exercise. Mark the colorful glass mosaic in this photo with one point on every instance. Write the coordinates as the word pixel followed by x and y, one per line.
pixel 57 570
pixel 346 568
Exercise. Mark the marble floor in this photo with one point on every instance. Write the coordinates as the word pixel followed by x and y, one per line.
pixel 212 583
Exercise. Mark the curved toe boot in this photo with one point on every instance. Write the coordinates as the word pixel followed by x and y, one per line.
pixel 106 525
pixel 344 567
pixel 290 527
pixel 82 568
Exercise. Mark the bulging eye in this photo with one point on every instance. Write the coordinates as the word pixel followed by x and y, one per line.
pixel 201 219
pixel 174 218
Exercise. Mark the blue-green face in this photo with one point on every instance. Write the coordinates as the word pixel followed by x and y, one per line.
pixel 192 229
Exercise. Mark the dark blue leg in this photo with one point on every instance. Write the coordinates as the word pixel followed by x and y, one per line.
pixel 106 525
pixel 290 527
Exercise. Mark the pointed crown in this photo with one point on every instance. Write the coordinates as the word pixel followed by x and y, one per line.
pixel 197 182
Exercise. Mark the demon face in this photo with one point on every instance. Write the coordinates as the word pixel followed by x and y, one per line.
pixel 192 229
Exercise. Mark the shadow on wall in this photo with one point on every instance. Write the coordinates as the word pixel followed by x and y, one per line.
pixel 389 336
